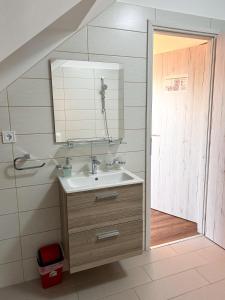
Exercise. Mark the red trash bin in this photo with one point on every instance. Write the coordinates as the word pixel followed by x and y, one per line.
pixel 50 265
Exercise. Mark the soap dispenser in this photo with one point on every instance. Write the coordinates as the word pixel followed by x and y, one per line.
pixel 67 168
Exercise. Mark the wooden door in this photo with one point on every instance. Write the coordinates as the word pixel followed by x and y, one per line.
pixel 179 131
pixel 215 212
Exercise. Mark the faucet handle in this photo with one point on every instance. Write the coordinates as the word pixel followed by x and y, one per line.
pixel 119 161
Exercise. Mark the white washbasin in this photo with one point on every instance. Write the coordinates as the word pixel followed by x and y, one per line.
pixel 98 181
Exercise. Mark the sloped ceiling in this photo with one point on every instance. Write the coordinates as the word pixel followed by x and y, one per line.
pixel 22 20
pixel 48 39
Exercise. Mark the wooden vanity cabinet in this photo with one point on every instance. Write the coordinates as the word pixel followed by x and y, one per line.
pixel 101 226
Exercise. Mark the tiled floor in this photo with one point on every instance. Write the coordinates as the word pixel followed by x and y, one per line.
pixel 189 270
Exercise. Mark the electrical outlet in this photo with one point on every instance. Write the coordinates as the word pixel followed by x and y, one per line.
pixel 8 137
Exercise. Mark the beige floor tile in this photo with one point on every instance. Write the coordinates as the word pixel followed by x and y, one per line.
pixel 174 265
pixel 127 295
pixel 120 282
pixel 171 286
pixel 148 257
pixel 214 271
pixel 212 253
pixel 214 291
pixel 190 245
pixel 33 291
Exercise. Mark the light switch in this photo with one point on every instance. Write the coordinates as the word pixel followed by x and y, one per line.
pixel 8 137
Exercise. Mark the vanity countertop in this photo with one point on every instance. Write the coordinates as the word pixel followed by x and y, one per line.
pixel 101 180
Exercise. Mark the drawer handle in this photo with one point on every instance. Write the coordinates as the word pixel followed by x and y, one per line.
pixel 106 196
pixel 107 235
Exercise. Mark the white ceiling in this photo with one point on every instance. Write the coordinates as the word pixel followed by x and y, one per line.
pixel 206 8
pixel 22 20
pixel 166 43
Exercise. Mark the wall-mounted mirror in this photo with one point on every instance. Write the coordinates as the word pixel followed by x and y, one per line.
pixel 87 99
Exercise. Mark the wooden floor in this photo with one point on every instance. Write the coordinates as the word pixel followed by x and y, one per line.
pixel 167 228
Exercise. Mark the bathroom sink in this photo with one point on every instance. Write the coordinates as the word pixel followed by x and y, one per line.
pixel 98 181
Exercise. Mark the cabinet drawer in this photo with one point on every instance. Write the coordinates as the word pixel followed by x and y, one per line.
pixel 86 210
pixel 104 244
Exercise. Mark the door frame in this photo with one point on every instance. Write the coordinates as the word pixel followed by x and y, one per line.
pixel 148 140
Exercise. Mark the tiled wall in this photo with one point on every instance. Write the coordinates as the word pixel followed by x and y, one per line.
pixel 29 204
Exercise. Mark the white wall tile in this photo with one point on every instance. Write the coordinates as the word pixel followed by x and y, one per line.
pixel 134 117
pixel 116 42
pixel 8 201
pixel 3 98
pixel 30 269
pixel 7 176
pixel 30 92
pixel 42 68
pixel 182 21
pixel 31 119
pixel 9 226
pixel 39 196
pixel 4 119
pixel 39 220
pixel 123 16
pixel 104 149
pixel 11 273
pixel 31 243
pixel 134 68
pixel 140 174
pixel 49 149
pixel 134 141
pixel 6 152
pixel 81 164
pixel 10 250
pixel 135 161
pixel 134 94
pixel 76 43
pixel 46 174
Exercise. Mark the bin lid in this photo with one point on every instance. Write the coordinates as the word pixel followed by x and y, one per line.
pixel 50 254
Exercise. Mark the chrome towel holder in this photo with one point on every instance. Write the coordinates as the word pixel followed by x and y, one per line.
pixel 24 158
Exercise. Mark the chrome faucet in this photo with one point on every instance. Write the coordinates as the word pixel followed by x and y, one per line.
pixel 94 164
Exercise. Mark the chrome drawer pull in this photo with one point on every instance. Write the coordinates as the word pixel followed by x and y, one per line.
pixel 107 235
pixel 107 195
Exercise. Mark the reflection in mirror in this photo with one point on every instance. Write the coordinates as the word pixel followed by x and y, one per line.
pixel 87 100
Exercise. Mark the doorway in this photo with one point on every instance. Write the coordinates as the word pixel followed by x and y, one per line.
pixel 180 124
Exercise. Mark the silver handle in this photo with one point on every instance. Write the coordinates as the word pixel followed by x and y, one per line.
pixel 107 235
pixel 106 196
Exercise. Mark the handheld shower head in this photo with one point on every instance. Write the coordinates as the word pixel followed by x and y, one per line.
pixel 102 92
pixel 103 85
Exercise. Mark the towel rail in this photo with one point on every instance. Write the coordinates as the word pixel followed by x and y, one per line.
pixel 24 158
